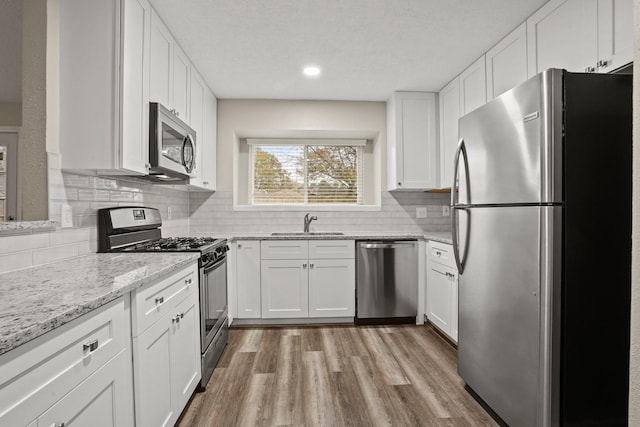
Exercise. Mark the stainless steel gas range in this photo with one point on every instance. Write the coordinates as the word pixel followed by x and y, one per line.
pixel 137 229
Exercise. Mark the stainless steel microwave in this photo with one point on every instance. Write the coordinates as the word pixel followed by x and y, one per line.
pixel 172 146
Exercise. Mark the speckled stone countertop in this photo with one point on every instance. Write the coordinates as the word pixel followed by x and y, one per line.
pixel 36 300
pixel 439 236
pixel 366 235
pixel 10 228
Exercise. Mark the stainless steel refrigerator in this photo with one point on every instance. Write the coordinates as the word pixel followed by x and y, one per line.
pixel 542 239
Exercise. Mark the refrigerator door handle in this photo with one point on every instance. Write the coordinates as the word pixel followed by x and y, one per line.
pixel 454 201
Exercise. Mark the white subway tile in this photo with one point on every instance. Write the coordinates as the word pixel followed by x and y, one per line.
pixel 73 235
pixel 15 261
pixel 24 242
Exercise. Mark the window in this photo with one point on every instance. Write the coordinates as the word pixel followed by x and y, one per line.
pixel 305 172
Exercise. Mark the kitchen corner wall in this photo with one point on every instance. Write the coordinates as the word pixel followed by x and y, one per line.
pixel 211 214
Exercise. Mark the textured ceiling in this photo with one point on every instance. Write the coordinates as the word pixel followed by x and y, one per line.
pixel 366 48
pixel 10 50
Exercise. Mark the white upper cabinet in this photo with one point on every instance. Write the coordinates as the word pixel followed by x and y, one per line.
pixel 449 104
pixel 615 34
pixel 181 83
pixel 581 35
pixel 412 162
pixel 507 63
pixel 104 85
pixel 202 115
pixel 563 34
pixel 170 71
pixel 473 87
pixel 161 62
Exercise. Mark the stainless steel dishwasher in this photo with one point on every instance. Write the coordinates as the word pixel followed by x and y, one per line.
pixel 386 281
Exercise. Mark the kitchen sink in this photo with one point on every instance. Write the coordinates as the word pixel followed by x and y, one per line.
pixel 312 233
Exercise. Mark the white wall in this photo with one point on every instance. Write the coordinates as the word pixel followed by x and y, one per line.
pixel 634 377
pixel 239 118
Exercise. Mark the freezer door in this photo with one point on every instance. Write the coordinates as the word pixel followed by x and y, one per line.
pixel 499 309
pixel 511 154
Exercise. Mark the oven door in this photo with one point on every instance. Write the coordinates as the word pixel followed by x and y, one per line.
pixel 213 300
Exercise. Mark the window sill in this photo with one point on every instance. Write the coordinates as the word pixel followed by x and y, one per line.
pixel 308 208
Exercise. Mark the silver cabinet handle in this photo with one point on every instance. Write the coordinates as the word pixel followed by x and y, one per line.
pixel 590 69
pixel 177 113
pixel 400 183
pixel 91 346
pixel 310 265
pixel 175 319
pixel 438 253
pixel 59 424
pixel 159 300
pixel 304 265
pixel 205 182
pixel 603 63
pixel 239 246
pixel 187 281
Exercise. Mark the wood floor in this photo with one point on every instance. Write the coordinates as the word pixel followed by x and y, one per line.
pixel 336 376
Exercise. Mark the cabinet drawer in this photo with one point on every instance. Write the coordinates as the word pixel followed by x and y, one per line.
pixel 39 373
pixel 284 249
pixel 441 253
pixel 154 301
pixel 331 249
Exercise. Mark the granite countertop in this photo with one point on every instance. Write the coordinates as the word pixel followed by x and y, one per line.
pixel 36 300
pixel 443 236
pixel 439 236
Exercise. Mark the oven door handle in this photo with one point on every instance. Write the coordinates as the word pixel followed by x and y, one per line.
pixel 217 263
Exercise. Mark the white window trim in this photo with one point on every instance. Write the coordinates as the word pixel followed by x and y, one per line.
pixel 299 207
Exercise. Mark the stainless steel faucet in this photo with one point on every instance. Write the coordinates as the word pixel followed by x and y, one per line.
pixel 307 221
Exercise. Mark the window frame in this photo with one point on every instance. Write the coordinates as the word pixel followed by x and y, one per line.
pixel 359 144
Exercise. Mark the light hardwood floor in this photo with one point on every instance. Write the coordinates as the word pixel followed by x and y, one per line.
pixel 336 376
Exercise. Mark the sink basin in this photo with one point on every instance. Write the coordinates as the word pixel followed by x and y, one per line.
pixel 312 233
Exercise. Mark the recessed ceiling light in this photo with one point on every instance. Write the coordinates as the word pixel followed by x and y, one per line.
pixel 311 71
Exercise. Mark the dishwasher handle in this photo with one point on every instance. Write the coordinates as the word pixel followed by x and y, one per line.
pixel 389 245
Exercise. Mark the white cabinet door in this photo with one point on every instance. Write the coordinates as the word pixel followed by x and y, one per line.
pixel 196 113
pixel 181 83
pixel 152 375
pixel 102 400
pixel 135 87
pixel 473 87
pixel 202 116
pixel 285 288
pixel 449 114
pixel 186 369
pixel 332 288
pixel 161 72
pixel 104 80
pixel 412 162
pixel 507 63
pixel 563 34
pixel 248 279
pixel 439 302
pixel 615 34
pixel 209 156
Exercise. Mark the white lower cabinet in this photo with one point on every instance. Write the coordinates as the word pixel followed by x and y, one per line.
pixel 304 279
pixel 332 288
pixel 98 400
pixel 78 374
pixel 166 354
pixel 248 279
pixel 442 289
pixel 285 289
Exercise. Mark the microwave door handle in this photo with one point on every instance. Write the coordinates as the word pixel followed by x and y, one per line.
pixel 187 140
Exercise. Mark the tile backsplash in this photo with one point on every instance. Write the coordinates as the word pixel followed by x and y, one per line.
pixel 214 213
pixel 193 213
